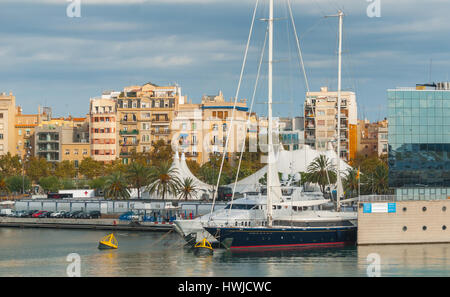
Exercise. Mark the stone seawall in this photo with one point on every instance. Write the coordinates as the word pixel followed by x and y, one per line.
pixel 94 224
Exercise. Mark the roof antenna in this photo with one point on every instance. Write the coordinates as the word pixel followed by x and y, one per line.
pixel 431 67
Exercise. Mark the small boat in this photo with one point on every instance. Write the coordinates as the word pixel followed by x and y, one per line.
pixel 108 242
pixel 203 248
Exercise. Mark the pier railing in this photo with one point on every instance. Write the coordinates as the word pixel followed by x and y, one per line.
pixel 377 198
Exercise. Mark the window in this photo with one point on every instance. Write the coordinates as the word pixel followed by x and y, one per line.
pixel 67 152
pixel 1 115
pixel 1 136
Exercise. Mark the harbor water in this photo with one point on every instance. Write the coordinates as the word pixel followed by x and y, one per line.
pixel 43 252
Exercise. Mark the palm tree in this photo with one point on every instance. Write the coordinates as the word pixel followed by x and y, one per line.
pixel 138 176
pixel 377 182
pixel 188 189
pixel 350 182
pixel 321 172
pixel 116 186
pixel 164 180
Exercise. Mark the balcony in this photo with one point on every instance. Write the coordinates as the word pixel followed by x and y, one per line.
pixel 160 121
pixel 132 132
pixel 161 132
pixel 128 143
pixel 128 122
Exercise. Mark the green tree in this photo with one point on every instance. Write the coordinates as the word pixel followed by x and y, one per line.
pixel 65 169
pixel 161 152
pixel 116 186
pixel 187 189
pixel 50 183
pixel 138 176
pixel 36 168
pixel 10 165
pixel 98 183
pixel 91 168
pixel 376 182
pixel 18 183
pixel 4 190
pixel 67 184
pixel 351 183
pixel 321 172
pixel 164 180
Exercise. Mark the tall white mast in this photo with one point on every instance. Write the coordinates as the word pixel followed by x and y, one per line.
pixel 339 182
pixel 269 116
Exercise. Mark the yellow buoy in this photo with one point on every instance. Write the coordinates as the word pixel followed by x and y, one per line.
pixel 108 242
pixel 203 248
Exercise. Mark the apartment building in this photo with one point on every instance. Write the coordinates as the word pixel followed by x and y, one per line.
pixel 372 138
pixel 321 121
pixel 7 120
pixel 103 127
pixel 144 115
pixel 292 132
pixel 59 139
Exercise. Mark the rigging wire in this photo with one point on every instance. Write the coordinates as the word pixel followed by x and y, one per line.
pixel 234 106
pixel 249 116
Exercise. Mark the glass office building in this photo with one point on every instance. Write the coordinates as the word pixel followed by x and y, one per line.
pixel 419 142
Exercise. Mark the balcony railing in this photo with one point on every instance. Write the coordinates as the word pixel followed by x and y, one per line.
pixel 128 122
pixel 161 132
pixel 128 143
pixel 132 132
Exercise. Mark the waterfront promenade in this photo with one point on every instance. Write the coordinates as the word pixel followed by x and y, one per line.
pixel 90 224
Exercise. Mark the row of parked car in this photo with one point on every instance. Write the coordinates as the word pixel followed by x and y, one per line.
pixel 77 214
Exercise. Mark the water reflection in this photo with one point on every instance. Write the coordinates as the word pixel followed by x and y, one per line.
pixel 409 260
pixel 38 252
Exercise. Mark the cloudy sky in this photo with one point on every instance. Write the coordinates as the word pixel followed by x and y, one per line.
pixel 49 59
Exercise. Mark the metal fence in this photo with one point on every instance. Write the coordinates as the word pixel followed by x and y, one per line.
pixel 377 198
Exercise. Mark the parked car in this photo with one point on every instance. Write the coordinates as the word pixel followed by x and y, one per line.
pixel 42 214
pixel 37 214
pixel 128 216
pixel 75 214
pixel 29 213
pixel 20 214
pixel 81 215
pixel 58 214
pixel 5 212
pixel 48 214
pixel 95 214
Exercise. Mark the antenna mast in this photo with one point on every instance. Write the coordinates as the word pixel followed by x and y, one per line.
pixel 269 115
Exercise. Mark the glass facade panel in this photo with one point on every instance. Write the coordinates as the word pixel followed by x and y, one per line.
pixel 419 142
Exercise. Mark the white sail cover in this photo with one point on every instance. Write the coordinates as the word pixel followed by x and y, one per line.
pixel 184 172
pixel 289 162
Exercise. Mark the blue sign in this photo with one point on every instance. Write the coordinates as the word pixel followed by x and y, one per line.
pixel 367 208
pixel 392 207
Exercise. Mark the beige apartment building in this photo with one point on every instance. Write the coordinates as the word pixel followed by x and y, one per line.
pixel 7 121
pixel 321 121
pixel 59 139
pixel 103 128
pixel 373 138
pixel 202 129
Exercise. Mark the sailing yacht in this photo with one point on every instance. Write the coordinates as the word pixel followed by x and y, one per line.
pixel 301 223
pixel 246 211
